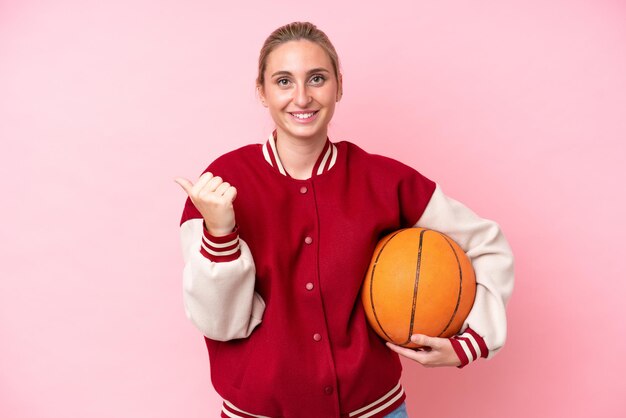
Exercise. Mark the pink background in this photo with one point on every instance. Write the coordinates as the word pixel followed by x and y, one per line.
pixel 517 108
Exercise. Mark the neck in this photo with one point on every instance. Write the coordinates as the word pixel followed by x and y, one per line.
pixel 297 155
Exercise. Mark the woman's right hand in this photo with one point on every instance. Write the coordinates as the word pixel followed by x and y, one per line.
pixel 213 198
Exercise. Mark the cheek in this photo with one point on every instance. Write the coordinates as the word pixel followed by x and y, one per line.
pixel 329 94
pixel 279 98
pixel 329 100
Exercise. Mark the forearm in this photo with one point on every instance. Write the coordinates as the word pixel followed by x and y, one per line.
pixel 218 284
pixel 492 259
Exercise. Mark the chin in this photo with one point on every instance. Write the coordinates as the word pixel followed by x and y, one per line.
pixel 305 131
pixel 304 134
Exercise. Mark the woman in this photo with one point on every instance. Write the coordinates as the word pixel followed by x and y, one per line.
pixel 277 238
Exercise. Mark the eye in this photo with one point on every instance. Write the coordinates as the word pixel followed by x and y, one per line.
pixel 282 82
pixel 318 79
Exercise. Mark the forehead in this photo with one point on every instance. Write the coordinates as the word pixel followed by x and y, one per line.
pixel 298 56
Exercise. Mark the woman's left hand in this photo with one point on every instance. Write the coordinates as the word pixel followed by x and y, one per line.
pixel 435 352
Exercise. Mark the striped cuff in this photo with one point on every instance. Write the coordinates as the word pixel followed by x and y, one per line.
pixel 220 249
pixel 469 346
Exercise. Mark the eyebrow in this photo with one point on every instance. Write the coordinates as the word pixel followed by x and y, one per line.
pixel 314 70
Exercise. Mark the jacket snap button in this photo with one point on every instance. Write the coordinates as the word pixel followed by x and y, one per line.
pixel 303 189
pixel 309 286
pixel 317 337
pixel 328 390
pixel 308 240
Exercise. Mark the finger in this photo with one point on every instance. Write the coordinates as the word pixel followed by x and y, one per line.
pixel 222 188
pixel 212 185
pixel 202 181
pixel 184 183
pixel 400 350
pixel 425 340
pixel 231 194
pixel 418 356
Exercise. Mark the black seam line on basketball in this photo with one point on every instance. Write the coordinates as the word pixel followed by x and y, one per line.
pixel 416 284
pixel 372 286
pixel 458 299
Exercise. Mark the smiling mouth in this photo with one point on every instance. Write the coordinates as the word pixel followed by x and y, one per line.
pixel 304 115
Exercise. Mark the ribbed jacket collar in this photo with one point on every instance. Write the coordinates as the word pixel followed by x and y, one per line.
pixel 324 163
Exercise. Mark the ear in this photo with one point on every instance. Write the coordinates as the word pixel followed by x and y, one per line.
pixel 259 90
pixel 339 87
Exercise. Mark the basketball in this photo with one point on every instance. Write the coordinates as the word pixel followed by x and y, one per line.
pixel 419 282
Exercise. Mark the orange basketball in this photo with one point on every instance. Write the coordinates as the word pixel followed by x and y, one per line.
pixel 419 282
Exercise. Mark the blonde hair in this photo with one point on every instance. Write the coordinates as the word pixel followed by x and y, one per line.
pixel 292 32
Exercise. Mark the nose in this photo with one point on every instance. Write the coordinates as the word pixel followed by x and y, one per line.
pixel 302 97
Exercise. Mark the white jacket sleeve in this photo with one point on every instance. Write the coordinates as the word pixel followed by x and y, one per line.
pixel 484 331
pixel 218 284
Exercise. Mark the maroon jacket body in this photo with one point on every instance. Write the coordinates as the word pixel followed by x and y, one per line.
pixel 313 355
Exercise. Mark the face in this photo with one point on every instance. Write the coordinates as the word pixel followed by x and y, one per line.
pixel 300 89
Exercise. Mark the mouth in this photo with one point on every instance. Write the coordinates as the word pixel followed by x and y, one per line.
pixel 304 117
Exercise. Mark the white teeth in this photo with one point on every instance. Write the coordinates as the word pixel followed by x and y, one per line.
pixel 303 115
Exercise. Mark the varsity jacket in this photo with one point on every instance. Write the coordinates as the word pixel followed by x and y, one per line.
pixel 278 299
